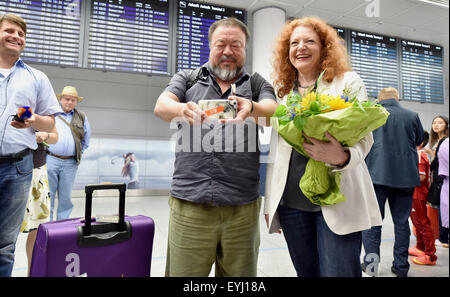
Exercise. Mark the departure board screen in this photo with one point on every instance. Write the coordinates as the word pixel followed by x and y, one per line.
pixel 53 29
pixel 129 35
pixel 341 32
pixel 374 58
pixel 194 20
pixel 422 72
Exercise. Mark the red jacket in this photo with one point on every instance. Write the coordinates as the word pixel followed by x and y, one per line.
pixel 424 170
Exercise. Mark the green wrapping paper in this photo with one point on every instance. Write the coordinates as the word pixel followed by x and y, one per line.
pixel 348 126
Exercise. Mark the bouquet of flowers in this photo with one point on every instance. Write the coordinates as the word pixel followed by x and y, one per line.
pixel 315 113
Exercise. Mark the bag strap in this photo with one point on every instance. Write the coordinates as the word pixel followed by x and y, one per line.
pixel 256 81
pixel 194 76
pixel 70 126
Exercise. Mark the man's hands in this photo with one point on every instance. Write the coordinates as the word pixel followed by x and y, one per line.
pixel 243 112
pixel 25 124
pixel 42 136
pixel 192 113
pixel 37 122
pixel 168 107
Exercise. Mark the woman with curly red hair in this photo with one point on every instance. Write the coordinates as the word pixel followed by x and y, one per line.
pixel 333 57
pixel 322 240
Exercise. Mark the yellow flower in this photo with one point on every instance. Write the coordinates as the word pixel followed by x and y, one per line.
pixel 324 99
pixel 338 103
pixel 306 101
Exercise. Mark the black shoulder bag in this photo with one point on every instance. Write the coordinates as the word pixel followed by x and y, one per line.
pixel 434 194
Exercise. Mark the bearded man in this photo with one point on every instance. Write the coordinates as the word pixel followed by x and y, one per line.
pixel 214 197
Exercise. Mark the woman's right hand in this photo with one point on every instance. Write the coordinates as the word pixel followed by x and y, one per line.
pixel 266 217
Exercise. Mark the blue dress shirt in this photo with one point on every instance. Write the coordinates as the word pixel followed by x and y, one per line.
pixel 66 144
pixel 24 86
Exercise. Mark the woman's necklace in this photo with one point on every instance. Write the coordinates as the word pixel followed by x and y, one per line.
pixel 307 87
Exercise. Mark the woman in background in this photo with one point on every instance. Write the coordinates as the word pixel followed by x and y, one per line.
pixel 439 132
pixel 131 169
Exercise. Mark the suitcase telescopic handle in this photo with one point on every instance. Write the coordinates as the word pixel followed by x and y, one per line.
pixel 89 190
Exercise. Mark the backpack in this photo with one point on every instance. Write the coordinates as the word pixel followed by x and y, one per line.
pixel 256 81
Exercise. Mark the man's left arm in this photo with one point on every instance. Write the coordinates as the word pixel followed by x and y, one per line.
pixel 419 131
pixel 87 135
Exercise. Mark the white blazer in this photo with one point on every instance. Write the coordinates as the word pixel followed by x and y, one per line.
pixel 360 211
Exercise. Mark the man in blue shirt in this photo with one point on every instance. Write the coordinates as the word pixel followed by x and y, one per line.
pixel 64 157
pixel 20 85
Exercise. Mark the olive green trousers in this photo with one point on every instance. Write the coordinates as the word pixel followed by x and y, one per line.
pixel 201 235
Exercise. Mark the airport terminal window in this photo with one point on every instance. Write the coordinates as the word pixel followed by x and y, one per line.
pixel 194 20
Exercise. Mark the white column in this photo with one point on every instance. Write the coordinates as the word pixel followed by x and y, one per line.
pixel 267 22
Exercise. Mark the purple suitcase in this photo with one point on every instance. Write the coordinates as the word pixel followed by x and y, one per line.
pixel 79 247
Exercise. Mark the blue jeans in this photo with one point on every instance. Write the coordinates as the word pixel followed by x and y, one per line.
pixel 314 249
pixel 61 175
pixel 15 181
pixel 400 203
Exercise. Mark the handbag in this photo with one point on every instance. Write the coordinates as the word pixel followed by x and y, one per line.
pixel 434 194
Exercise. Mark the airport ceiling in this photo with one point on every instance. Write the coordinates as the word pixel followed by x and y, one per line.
pixel 421 20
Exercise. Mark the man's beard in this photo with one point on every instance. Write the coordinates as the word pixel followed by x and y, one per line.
pixel 225 74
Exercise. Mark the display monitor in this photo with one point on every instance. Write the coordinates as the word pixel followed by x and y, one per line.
pixel 374 58
pixel 129 35
pixel 194 20
pixel 422 72
pixel 53 30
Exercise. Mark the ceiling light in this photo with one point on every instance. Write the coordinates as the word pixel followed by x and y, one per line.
pixel 442 3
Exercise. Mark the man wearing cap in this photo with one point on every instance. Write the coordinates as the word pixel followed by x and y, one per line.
pixel 20 85
pixel 64 157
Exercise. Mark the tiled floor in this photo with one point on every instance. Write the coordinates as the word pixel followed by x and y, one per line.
pixel 274 260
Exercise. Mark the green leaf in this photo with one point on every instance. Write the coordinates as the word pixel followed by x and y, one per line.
pixel 315 106
pixel 299 122
pixel 358 104
pixel 320 76
pixel 284 119
pixel 280 111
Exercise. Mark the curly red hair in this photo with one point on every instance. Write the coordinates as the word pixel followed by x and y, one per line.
pixel 334 54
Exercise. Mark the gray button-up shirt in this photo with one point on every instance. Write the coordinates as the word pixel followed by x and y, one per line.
pixel 216 163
